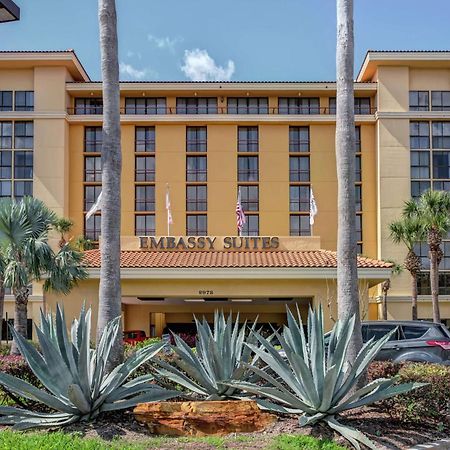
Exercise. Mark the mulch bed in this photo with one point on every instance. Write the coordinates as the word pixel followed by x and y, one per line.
pixel 379 426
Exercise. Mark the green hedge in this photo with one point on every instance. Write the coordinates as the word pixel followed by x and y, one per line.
pixel 430 402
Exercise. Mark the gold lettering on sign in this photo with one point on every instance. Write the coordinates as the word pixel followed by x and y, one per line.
pixel 208 243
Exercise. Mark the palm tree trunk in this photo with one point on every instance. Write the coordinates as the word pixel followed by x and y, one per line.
pixel 347 276
pixel 20 317
pixel 385 305
pixel 415 315
pixel 434 283
pixel 2 303
pixel 109 292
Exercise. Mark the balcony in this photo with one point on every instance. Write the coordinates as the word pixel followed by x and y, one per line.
pixel 220 110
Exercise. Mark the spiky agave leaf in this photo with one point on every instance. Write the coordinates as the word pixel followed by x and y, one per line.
pixel 220 356
pixel 74 375
pixel 313 378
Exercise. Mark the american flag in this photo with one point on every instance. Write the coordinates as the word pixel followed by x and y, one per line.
pixel 240 215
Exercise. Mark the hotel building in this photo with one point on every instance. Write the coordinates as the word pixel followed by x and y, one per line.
pixel 273 141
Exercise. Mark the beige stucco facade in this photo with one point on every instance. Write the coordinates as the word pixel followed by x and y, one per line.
pixel 58 79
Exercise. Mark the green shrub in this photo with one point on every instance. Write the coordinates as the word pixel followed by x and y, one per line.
pixel 431 403
pixel 298 442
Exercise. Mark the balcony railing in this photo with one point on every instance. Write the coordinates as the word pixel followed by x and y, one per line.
pixel 285 110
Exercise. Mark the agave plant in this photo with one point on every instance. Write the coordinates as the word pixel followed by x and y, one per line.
pixel 77 384
pixel 313 378
pixel 216 360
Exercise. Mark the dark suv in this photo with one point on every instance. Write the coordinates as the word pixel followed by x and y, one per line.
pixel 412 341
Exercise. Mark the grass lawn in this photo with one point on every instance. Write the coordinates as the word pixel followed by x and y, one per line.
pixel 10 440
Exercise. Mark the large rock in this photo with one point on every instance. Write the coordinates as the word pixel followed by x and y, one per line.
pixel 203 418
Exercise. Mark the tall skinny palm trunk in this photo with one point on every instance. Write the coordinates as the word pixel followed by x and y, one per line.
pixel 414 294
pixel 385 289
pixel 109 292
pixel 20 316
pixel 347 276
pixel 435 256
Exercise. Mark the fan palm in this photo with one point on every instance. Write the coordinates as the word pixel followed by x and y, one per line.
pixel 408 231
pixel 432 210
pixel 28 256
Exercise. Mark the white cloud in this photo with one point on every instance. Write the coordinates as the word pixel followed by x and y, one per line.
pixel 199 66
pixel 164 43
pixel 131 54
pixel 129 71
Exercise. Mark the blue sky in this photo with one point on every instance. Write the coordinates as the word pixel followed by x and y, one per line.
pixel 233 39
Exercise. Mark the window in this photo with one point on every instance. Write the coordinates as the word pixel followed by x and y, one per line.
pixel 441 186
pixel 358 139
pixel 251 225
pixel 145 106
pixel 440 100
pixel 359 237
pixel 5 134
pixel 418 101
pixel 298 105
pixel 412 332
pixel 419 187
pixel 249 198
pixel 248 168
pixel 248 139
pixel 196 198
pixel 358 173
pixel 6 103
pixel 299 198
pixel 299 225
pixel 145 225
pixel 88 106
pixel 420 165
pixel 424 287
pixel 196 105
pixel 91 194
pixel 441 134
pixel 5 189
pixel 92 227
pixel 6 165
pixel 23 135
pixel 441 165
pixel 24 101
pixel 358 197
pixel 196 225
pixel 299 139
pixel 248 105
pixel 93 139
pixel 378 331
pixel 23 189
pixel 362 105
pixel 145 168
pixel 145 198
pixel 298 168
pixel 196 139
pixel 93 169
pixel 196 168
pixel 419 135
pixel 23 165
pixel 145 139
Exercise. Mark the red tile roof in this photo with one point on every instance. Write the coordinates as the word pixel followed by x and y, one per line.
pixel 236 259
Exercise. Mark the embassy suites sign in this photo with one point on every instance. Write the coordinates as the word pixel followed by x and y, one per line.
pixel 208 243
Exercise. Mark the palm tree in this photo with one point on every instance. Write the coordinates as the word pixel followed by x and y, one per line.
pixel 28 256
pixel 347 276
pixel 408 231
pixel 432 210
pixel 386 286
pixel 110 299
pixel 63 226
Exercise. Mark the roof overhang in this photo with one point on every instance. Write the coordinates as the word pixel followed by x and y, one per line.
pixel 416 59
pixel 31 59
pixel 285 273
pixel 9 11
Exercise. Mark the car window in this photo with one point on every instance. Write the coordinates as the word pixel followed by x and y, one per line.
pixel 378 331
pixel 417 332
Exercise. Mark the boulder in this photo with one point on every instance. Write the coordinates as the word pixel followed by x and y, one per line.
pixel 203 418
